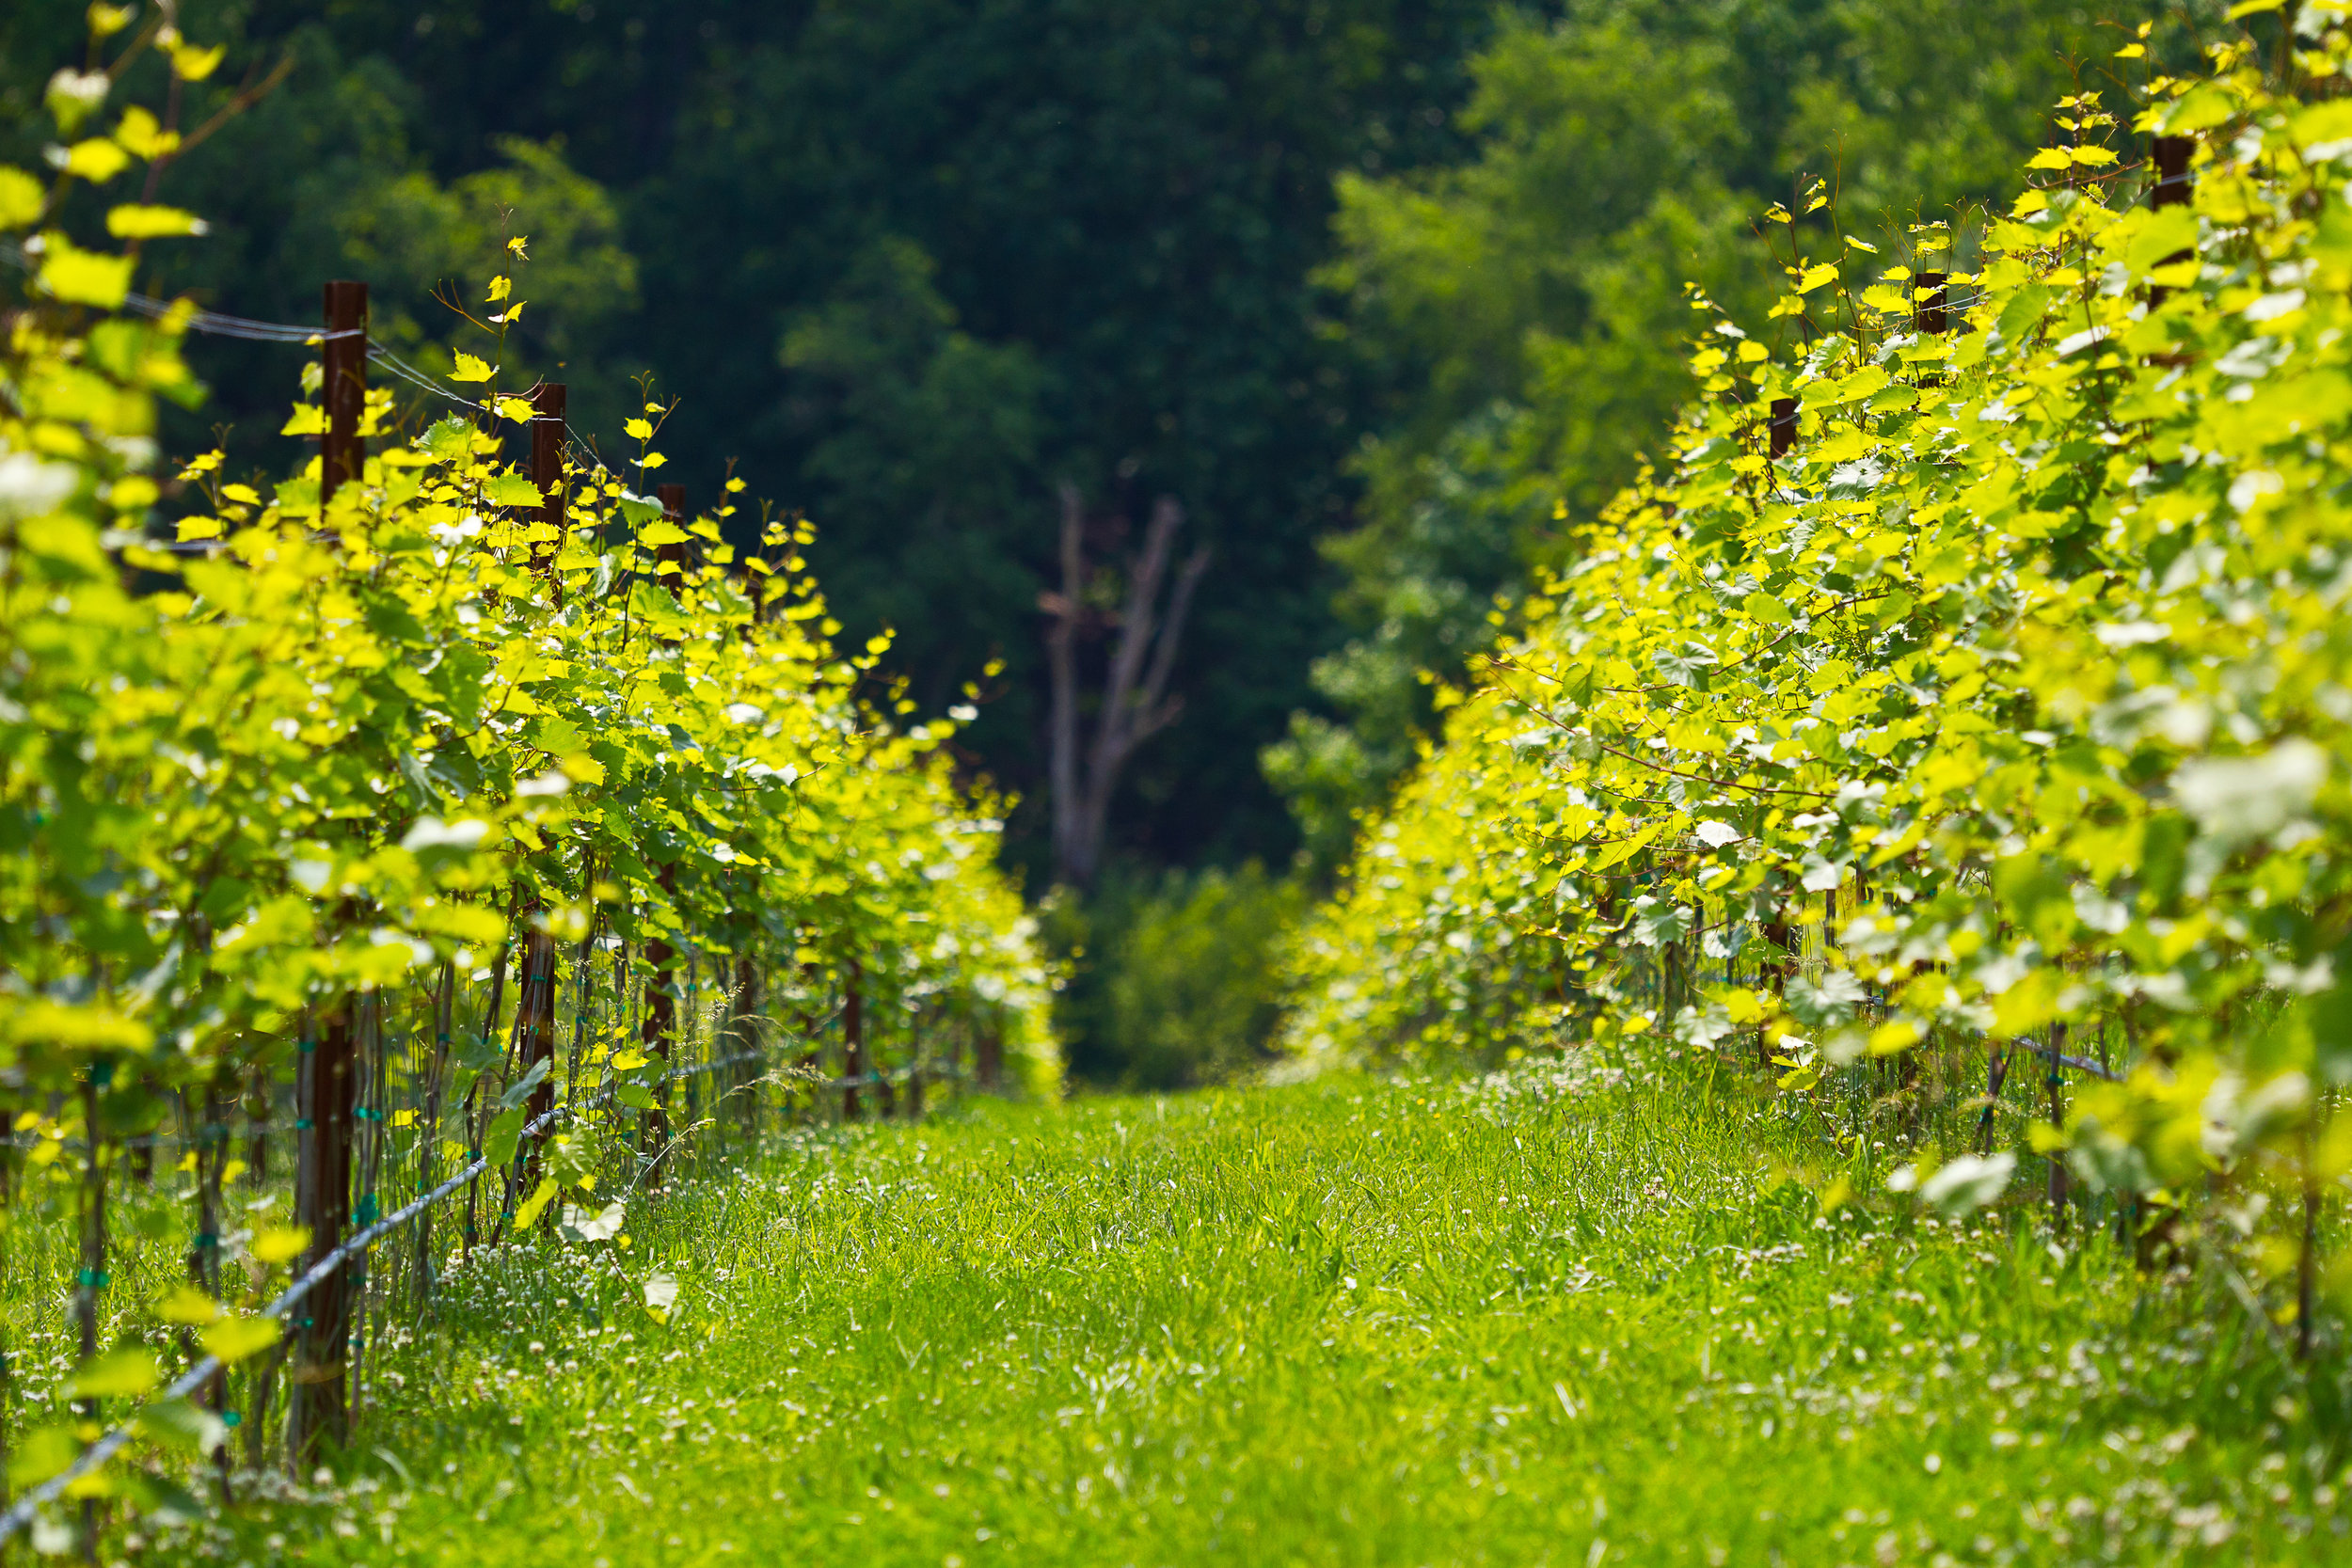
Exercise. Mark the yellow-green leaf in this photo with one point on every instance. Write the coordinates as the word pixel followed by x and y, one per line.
pixel 1622 849
pixel 512 490
pixel 188 1304
pixel 2027 1004
pixel 191 64
pixel 2321 131
pixel 280 1242
pixel 120 1374
pixel 21 197
pixel 2168 231
pixel 468 368
pixel 86 277
pixel 535 1205
pixel 1815 277
pixel 97 160
pixel 2204 106
pixel 182 1424
pixel 234 1339
pixel 662 533
pixel 41 1454
pixel 139 135
pixel 57 1023
pixel 1853 388
pixel 151 223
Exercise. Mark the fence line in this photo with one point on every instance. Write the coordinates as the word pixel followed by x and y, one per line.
pixel 212 1131
pixel 216 324
pixel 106 1446
pixel 99 1453
pixel 350 1110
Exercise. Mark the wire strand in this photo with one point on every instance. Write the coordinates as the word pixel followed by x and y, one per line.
pixel 194 1377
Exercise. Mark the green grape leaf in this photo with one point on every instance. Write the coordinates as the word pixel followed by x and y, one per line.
pixel 535 1205
pixel 124 1373
pixel 183 1425
pixel 512 490
pixel 235 1339
pixel 503 1136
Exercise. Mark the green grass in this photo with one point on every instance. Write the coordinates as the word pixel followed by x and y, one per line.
pixel 1516 1321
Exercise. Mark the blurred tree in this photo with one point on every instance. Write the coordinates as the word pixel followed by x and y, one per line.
pixel 1175 977
pixel 937 434
pixel 1134 194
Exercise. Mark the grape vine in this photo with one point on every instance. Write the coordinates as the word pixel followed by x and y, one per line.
pixel 1971 686
pixel 532 812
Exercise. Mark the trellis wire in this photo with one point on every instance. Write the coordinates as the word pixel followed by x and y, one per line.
pixel 359 1242
pixel 216 324
pixel 371 1062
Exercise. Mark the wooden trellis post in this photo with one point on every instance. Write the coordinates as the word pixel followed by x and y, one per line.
pixel 92 1278
pixel 885 1092
pixel 660 1027
pixel 2171 154
pixel 989 1054
pixel 535 1040
pixel 325 1079
pixel 2055 1082
pixel 746 1038
pixel 212 1157
pixel 1783 938
pixel 914 1066
pixel 852 1041
pixel 1930 314
pixel 660 1031
pixel 323 1085
pixel 1995 1075
pixel 444 1007
pixel 343 388
pixel 673 499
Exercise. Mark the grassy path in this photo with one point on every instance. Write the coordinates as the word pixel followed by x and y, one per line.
pixel 1351 1321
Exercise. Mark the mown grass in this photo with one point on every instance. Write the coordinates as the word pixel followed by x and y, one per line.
pixel 1513 1320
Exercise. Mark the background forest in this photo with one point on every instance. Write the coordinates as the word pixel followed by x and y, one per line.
pixel 1375 292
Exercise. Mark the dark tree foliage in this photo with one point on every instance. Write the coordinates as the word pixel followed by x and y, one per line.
pixel 909 262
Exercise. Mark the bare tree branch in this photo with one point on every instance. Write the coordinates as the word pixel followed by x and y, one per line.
pixel 1153 714
pixel 1134 705
pixel 1061 639
pixel 1113 736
